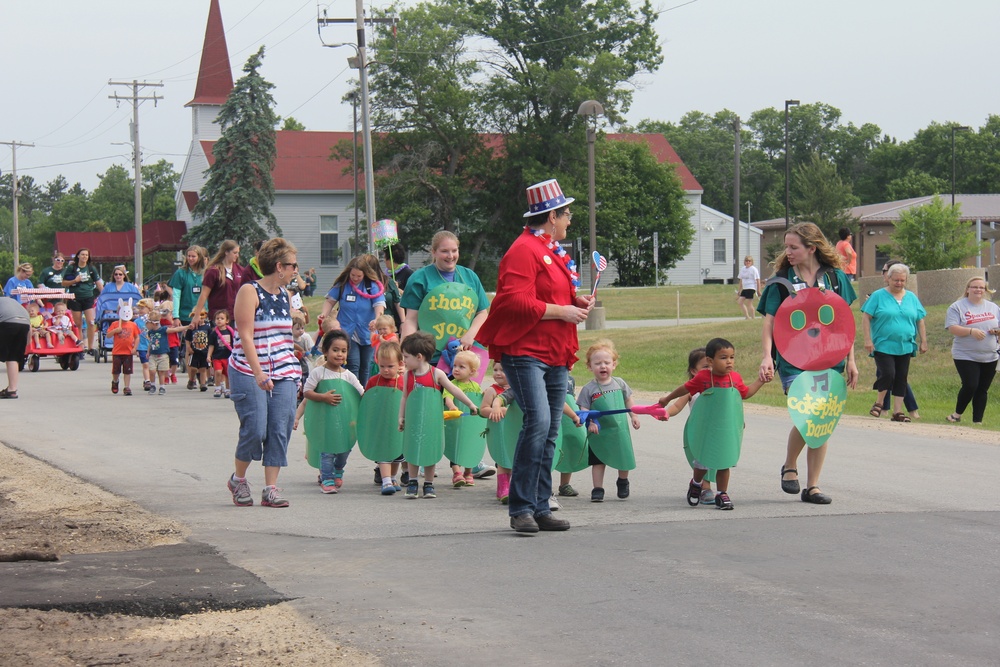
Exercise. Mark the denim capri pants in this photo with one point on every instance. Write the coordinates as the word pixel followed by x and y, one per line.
pixel 266 419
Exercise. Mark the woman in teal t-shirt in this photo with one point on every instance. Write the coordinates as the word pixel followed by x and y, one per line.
pixel 893 318
pixel 444 299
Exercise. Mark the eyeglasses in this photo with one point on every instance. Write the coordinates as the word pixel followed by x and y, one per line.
pixel 58 259
pixel 294 265
pixel 569 215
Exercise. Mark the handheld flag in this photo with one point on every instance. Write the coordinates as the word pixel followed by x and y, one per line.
pixel 599 263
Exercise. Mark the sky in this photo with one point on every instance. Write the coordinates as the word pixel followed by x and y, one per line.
pixel 900 64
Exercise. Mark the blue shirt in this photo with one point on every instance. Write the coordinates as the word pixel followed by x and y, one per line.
pixel 158 340
pixel 14 284
pixel 894 324
pixel 356 311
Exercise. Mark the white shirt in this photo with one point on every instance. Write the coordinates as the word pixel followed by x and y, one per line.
pixel 749 275
pixel 323 373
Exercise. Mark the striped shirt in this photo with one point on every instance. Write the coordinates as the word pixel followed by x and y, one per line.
pixel 272 338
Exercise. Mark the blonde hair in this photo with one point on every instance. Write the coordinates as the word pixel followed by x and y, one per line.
pixel 602 344
pixel 812 237
pixel 24 267
pixel 389 347
pixel 385 321
pixel 145 303
pixel 273 251
pixel 469 356
pixel 443 235
pixel 202 262
pixel 297 318
pixel 985 282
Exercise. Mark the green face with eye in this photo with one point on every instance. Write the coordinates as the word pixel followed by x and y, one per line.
pixel 825 315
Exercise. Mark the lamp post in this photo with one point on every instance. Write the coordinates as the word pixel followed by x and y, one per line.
pixel 954 128
pixel 593 109
pixel 353 95
pixel 788 170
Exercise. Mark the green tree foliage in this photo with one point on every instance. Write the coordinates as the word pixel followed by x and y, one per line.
pixel 113 200
pixel 292 125
pixel 638 196
pixel 931 237
pixel 236 200
pixel 915 184
pixel 159 187
pixel 821 196
pixel 534 63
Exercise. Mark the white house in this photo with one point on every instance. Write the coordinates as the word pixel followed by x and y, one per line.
pixel 314 196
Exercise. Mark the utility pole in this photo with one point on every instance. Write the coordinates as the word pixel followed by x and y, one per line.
pixel 136 158
pixel 15 189
pixel 736 202
pixel 366 124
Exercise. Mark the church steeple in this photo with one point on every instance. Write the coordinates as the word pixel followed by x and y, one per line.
pixel 215 77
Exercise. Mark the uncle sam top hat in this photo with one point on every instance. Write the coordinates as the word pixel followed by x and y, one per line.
pixel 546 196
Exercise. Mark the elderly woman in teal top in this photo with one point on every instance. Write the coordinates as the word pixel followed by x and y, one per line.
pixel 444 299
pixel 893 318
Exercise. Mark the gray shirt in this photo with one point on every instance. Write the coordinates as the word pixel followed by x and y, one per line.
pixel 984 317
pixel 12 311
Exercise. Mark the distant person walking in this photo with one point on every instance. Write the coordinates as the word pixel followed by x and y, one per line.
pixel 848 257
pixel 751 286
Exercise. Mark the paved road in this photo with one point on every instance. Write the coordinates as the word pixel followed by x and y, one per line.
pixel 901 569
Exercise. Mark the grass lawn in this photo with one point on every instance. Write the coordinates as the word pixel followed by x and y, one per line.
pixel 655 359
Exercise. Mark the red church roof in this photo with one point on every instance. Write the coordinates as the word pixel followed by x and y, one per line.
pixel 215 78
pixel 304 162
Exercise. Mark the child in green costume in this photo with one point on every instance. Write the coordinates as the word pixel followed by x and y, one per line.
pixel 335 345
pixel 464 369
pixel 607 392
pixel 716 421
pixel 698 491
pixel 418 349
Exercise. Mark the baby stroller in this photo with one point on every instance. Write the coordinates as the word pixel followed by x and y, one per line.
pixel 106 313
pixel 66 353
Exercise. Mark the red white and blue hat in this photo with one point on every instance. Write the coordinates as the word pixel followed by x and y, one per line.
pixel 546 196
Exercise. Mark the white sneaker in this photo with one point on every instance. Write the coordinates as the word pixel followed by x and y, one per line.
pixel 554 505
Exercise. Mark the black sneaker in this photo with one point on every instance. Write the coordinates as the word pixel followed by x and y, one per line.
pixel 378 476
pixel 722 501
pixel 622 488
pixel 412 487
pixel 429 490
pixel 405 477
pixel 597 495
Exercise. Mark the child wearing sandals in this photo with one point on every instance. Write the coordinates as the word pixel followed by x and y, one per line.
pixel 699 489
pixel 389 358
pixel 721 374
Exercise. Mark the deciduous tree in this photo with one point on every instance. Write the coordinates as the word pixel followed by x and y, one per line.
pixel 931 237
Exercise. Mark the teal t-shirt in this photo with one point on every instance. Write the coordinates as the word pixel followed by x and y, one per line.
pixel 894 323
pixel 773 295
pixel 187 288
pixel 427 278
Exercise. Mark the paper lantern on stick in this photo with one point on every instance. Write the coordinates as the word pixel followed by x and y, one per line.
pixel 385 232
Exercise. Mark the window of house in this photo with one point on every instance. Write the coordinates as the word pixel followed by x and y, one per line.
pixel 329 240
pixel 720 251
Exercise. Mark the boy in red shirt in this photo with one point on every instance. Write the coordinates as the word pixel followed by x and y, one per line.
pixel 721 375
pixel 126 341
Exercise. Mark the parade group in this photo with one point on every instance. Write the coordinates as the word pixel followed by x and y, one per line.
pixel 418 366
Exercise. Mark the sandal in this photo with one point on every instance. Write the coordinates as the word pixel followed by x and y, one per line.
pixel 954 418
pixel 901 417
pixel 7 393
pixel 790 486
pixel 876 411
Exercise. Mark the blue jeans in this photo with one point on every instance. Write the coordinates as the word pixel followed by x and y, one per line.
pixel 266 418
pixel 359 361
pixel 540 391
pixel 331 463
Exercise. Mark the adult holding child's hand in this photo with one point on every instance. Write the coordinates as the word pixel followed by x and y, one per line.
pixel 531 331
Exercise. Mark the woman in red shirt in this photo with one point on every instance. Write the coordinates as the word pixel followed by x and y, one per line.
pixel 531 331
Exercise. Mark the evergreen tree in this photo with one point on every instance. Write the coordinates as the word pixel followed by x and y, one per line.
pixel 239 193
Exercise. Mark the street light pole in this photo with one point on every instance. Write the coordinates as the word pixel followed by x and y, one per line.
pixel 354 167
pixel 954 128
pixel 788 170
pixel 748 228
pixel 593 109
pixel 736 199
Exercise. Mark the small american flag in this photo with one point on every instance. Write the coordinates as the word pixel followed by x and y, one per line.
pixel 600 261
